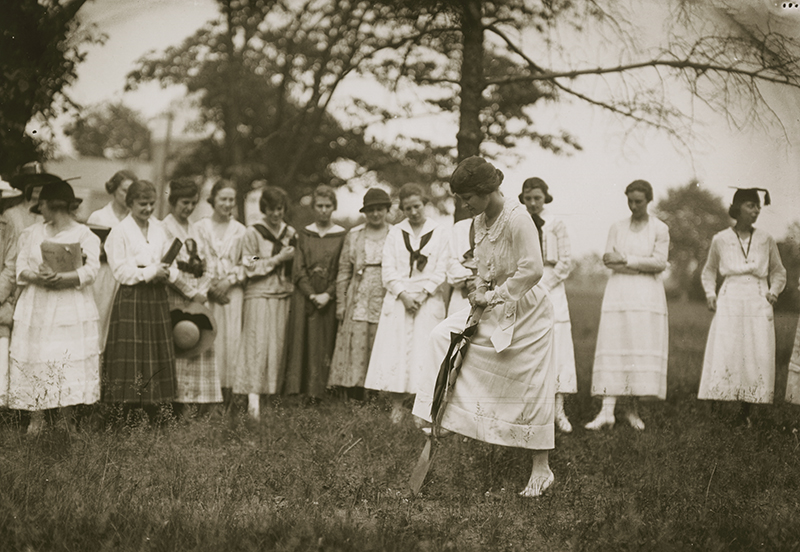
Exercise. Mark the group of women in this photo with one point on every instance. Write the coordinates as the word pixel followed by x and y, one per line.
pixel 376 307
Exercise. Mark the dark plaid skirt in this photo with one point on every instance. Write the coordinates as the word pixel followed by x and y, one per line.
pixel 139 359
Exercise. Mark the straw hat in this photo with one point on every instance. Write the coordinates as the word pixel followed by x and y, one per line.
pixel 193 329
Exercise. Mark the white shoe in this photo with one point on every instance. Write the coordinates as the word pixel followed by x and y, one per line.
pixel 602 420
pixel 635 421
pixel 562 423
pixel 397 415
pixel 254 406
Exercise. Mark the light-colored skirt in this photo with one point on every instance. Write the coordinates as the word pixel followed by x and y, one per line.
pixel 632 339
pixel 563 349
pixel 739 362
pixel 104 289
pixel 399 354
pixel 229 335
pixel 262 363
pixel 505 398
pixel 54 353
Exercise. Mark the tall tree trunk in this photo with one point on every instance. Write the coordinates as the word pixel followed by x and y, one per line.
pixel 469 134
pixel 234 156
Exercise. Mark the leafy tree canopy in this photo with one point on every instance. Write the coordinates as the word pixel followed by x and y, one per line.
pixel 113 131
pixel 40 47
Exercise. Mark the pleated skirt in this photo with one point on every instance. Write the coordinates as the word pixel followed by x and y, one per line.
pixel 139 359
pixel 262 361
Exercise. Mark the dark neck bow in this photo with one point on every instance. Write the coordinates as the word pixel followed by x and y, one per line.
pixel 277 244
pixel 195 265
pixel 416 256
pixel 539 222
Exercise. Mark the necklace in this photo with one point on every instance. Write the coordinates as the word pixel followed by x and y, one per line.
pixel 741 245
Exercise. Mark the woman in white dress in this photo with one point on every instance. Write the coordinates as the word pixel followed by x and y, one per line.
pixel 504 393
pixel 196 379
pixel 413 271
pixel 267 256
pixel 55 353
pixel 557 266
pixel 221 236
pixel 739 362
pixel 632 341
pixel 105 286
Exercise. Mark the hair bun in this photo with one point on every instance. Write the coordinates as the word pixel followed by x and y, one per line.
pixel 475 175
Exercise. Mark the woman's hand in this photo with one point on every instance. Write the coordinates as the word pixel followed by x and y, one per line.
pixel 478 298
pixel 286 254
pixel 712 303
pixel 614 258
pixel 772 298
pixel 409 302
pixel 219 291
pixel 321 300
pixel 199 297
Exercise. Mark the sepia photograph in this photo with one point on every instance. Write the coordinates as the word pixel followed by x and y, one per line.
pixel 434 275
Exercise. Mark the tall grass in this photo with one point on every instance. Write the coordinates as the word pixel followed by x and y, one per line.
pixel 333 476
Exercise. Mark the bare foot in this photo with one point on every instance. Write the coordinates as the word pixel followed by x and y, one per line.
pixel 538 484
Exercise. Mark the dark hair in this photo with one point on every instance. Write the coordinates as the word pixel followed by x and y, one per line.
pixel 324 191
pixel 536 183
pixel 743 195
pixel 181 188
pixel 475 175
pixel 641 186
pixel 139 189
pixel 119 177
pixel 218 187
pixel 274 198
pixel 409 190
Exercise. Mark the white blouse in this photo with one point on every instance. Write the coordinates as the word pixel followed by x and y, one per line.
pixel 728 257
pixel 395 266
pixel 134 257
pixel 104 217
pixel 30 252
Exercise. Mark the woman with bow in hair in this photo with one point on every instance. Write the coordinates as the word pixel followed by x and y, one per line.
pixel 739 362
pixel 267 256
pixel 413 272
pixel 504 393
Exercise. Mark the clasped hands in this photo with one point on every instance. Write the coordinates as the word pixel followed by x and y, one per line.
pixel 320 300
pixel 47 277
pixel 413 301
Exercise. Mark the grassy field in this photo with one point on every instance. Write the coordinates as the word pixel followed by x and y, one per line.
pixel 333 476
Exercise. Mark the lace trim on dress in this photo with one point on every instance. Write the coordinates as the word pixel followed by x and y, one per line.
pixel 499 225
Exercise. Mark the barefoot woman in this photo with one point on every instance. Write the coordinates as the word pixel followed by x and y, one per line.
pixel 506 390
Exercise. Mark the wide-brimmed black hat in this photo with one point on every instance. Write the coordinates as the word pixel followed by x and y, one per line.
pixel 56 190
pixel 375 197
pixel 193 329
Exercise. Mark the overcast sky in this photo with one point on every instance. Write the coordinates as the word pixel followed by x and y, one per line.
pixel 588 186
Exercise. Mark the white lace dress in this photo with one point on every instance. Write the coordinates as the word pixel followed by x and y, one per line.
pixel 505 392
